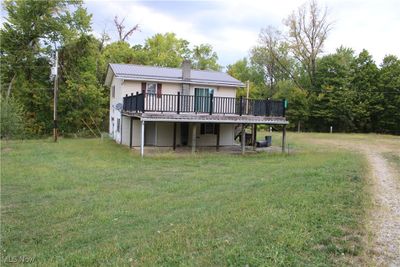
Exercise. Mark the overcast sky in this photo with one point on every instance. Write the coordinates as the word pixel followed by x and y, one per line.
pixel 232 27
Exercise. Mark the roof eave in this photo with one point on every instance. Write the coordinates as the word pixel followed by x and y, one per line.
pixel 109 76
pixel 177 80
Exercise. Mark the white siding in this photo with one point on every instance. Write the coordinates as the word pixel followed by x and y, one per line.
pixel 136 132
pixel 227 132
pixel 125 130
pixel 114 113
pixel 165 134
pixel 129 87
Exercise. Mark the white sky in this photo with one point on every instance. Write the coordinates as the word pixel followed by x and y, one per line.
pixel 232 27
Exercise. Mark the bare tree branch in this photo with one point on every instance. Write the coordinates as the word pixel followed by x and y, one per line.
pixel 121 27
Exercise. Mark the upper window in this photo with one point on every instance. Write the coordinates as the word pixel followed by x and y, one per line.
pixel 151 88
pixel 113 91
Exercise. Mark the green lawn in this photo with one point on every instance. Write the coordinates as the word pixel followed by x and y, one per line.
pixel 90 202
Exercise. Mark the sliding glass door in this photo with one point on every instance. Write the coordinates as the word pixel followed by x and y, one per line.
pixel 202 99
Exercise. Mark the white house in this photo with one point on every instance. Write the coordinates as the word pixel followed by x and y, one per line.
pixel 170 107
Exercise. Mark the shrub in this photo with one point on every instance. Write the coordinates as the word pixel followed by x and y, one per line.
pixel 12 114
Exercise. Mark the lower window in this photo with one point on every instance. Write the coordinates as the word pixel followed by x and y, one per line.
pixel 208 128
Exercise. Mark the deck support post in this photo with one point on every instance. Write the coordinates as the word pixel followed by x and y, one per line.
pixel 283 138
pixel 254 135
pixel 218 128
pixel 130 133
pixel 243 139
pixel 194 137
pixel 142 140
pixel 121 129
pixel 174 141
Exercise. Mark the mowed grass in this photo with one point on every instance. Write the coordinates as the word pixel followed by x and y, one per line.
pixel 394 160
pixel 84 202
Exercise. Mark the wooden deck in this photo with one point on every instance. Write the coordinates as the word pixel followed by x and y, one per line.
pixel 203 109
pixel 215 118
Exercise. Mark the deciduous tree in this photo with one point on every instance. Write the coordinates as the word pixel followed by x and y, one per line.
pixel 308 28
pixel 204 58
pixel 389 86
pixel 166 50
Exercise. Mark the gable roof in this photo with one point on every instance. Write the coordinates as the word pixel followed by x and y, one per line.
pixel 173 75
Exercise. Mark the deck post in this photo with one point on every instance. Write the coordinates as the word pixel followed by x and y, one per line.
pixel 142 140
pixel 211 103
pixel 283 138
pixel 194 137
pixel 121 128
pixel 178 107
pixel 136 101
pixel 254 136
pixel 240 105
pixel 243 143
pixel 130 133
pixel 131 102
pixel 174 142
pixel 218 135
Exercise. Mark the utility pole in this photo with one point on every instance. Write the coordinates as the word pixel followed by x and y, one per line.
pixel 55 73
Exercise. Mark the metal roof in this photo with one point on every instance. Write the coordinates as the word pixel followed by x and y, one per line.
pixel 153 73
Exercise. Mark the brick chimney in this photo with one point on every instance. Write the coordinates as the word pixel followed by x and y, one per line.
pixel 186 66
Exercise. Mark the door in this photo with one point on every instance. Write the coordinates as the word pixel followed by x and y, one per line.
pixel 184 133
pixel 202 99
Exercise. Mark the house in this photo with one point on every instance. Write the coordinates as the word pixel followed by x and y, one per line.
pixel 170 107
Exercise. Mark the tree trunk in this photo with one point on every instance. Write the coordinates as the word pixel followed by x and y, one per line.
pixel 298 126
pixel 10 86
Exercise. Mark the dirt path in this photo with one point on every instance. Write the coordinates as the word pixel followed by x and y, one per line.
pixel 384 218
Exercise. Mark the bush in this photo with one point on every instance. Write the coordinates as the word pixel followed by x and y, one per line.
pixel 12 114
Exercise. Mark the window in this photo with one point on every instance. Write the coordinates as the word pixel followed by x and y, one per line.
pixel 151 88
pixel 118 124
pixel 113 91
pixel 208 128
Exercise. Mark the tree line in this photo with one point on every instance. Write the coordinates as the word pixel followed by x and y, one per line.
pixel 31 33
pixel 345 90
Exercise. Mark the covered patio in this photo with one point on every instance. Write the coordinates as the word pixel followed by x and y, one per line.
pixel 195 119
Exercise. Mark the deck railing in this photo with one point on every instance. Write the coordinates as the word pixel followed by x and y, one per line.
pixel 178 103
